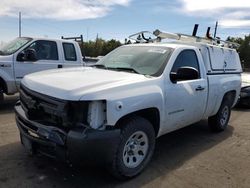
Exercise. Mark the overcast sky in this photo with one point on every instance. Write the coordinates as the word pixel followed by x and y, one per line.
pixel 120 18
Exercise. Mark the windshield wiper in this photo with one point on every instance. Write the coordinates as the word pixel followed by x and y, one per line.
pixel 101 66
pixel 129 69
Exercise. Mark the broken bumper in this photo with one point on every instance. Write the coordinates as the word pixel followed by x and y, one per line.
pixel 77 145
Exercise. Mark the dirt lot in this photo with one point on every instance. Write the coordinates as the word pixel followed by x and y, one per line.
pixel 191 157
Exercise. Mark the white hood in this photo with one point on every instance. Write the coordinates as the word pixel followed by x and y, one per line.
pixel 73 83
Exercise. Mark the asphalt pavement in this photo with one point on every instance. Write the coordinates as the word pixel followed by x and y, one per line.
pixel 190 157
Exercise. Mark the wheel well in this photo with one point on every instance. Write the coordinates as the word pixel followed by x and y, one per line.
pixel 150 114
pixel 3 85
pixel 230 96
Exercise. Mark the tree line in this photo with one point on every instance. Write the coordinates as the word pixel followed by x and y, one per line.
pixel 99 47
pixel 244 49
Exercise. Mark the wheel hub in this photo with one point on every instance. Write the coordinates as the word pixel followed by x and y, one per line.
pixel 224 117
pixel 135 149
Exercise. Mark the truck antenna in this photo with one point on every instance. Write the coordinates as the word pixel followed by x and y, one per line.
pixel 20 24
pixel 215 29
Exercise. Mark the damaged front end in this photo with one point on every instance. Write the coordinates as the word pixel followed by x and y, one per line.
pixel 65 130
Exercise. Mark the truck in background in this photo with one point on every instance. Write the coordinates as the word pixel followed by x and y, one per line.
pixel 27 55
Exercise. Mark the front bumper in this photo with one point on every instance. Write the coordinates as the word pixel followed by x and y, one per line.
pixel 79 144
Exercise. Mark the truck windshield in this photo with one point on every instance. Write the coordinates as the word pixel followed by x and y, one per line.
pixel 146 60
pixel 14 45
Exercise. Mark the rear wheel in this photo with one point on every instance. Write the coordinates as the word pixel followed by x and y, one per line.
pixel 219 121
pixel 1 94
pixel 136 147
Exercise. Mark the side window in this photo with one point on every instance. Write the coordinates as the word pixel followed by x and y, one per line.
pixel 186 58
pixel 45 50
pixel 69 52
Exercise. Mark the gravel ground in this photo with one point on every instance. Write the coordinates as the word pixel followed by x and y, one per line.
pixel 190 157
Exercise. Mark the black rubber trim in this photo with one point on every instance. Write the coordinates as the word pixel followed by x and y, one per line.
pixel 218 73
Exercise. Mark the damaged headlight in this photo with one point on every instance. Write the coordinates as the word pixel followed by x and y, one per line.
pixel 90 113
pixel 77 112
pixel 96 114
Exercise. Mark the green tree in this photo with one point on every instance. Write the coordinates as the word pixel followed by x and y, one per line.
pixel 244 49
pixel 99 47
pixel 110 45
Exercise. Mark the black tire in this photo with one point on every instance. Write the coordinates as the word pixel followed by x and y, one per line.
pixel 1 94
pixel 126 162
pixel 219 121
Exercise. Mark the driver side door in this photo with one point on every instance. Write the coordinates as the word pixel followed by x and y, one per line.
pixel 185 99
pixel 47 57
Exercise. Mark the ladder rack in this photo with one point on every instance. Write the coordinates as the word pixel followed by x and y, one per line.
pixel 160 35
pixel 140 37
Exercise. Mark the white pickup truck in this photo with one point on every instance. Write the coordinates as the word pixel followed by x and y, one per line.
pixel 114 111
pixel 28 55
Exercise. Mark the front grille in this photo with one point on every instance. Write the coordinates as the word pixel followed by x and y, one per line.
pixel 26 126
pixel 43 109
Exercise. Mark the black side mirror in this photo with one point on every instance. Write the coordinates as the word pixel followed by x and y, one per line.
pixel 27 55
pixel 184 73
pixel 21 56
pixel 31 54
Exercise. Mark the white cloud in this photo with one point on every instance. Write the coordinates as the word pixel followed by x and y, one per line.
pixel 194 5
pixel 235 23
pixel 59 9
pixel 230 13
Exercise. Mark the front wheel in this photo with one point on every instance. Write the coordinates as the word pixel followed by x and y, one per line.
pixel 136 147
pixel 219 121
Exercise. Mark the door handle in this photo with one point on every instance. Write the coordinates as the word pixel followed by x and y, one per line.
pixel 59 66
pixel 199 88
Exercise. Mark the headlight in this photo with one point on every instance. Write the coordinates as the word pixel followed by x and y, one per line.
pixel 90 113
pixel 77 112
pixel 96 114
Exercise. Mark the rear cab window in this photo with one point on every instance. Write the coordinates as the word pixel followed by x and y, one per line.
pixel 69 52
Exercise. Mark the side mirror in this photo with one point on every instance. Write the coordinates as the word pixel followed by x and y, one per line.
pixel 27 55
pixel 21 56
pixel 31 54
pixel 184 73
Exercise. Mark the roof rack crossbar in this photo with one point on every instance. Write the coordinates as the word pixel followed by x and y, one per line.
pixel 140 38
pixel 190 38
